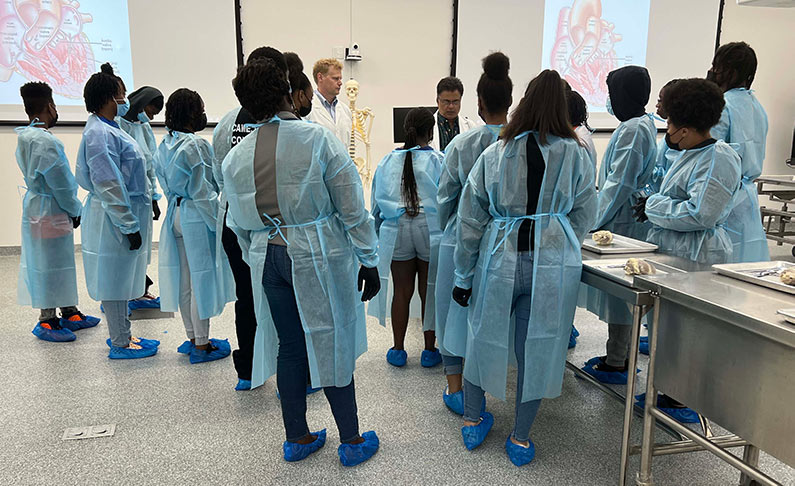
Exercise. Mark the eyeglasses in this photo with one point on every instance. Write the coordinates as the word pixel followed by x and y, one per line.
pixel 445 102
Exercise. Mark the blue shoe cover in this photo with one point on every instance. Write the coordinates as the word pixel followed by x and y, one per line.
pixel 186 347
pixel 609 377
pixel 85 323
pixel 643 347
pixel 573 337
pixel 681 415
pixel 310 390
pixel 144 343
pixel 519 455
pixel 294 452
pixel 355 454
pixel 429 359
pixel 127 353
pixel 53 335
pixel 396 357
pixel 243 385
pixel 474 435
pixel 454 401
pixel 136 304
pixel 221 344
pixel 202 356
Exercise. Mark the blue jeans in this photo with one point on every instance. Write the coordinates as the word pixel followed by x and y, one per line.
pixel 292 365
pixel 453 365
pixel 118 322
pixel 473 395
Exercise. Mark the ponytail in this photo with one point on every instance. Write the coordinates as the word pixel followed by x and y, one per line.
pixel 418 125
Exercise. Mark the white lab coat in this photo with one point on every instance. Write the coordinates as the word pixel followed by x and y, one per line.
pixel 343 124
pixel 464 125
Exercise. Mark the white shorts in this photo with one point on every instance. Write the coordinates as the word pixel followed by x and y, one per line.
pixel 413 239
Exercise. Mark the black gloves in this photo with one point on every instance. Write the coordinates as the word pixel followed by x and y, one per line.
pixel 76 222
pixel 461 296
pixel 372 284
pixel 135 240
pixel 639 210
pixel 155 210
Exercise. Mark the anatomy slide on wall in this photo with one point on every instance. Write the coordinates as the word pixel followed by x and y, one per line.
pixel 61 42
pixel 586 39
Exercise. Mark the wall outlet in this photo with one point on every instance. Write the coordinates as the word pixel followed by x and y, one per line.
pixel 338 52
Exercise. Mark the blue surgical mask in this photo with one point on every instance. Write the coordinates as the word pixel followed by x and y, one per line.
pixel 609 106
pixel 143 118
pixel 123 108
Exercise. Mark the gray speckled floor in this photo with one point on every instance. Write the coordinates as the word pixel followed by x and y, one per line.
pixel 184 424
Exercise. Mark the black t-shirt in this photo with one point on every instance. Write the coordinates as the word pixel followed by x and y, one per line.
pixel 535 176
pixel 240 130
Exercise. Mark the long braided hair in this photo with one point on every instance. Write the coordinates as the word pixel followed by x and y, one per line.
pixel 418 125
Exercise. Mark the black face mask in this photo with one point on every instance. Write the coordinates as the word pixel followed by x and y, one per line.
pixel 670 143
pixel 201 123
pixel 54 119
pixel 304 111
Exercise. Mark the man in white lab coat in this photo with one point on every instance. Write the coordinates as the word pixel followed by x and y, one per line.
pixel 448 124
pixel 326 107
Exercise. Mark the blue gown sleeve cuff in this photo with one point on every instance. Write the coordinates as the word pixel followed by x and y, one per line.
pixel 157 196
pixel 463 282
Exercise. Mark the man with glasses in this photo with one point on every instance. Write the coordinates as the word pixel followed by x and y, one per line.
pixel 448 124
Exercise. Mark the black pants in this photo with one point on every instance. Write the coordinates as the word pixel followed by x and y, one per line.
pixel 245 318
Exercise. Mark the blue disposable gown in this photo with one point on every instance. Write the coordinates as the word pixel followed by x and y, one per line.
pixel 661 166
pixel 492 207
pixel 459 158
pixel 744 122
pixel 47 275
pixel 111 167
pixel 329 233
pixel 222 144
pixel 184 167
pixel 143 134
pixel 627 167
pixel 387 209
pixel 690 211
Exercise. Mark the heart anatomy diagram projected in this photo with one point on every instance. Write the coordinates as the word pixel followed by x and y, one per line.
pixel 586 39
pixel 60 42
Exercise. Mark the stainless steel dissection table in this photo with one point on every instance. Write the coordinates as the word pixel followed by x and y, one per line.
pixel 718 346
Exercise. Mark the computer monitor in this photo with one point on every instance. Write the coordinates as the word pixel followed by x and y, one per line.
pixel 399 116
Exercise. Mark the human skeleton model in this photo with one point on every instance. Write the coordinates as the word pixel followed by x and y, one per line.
pixel 360 131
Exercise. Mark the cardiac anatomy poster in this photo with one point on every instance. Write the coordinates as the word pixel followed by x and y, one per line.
pixel 586 39
pixel 61 42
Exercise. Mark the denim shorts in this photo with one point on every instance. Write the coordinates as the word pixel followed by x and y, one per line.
pixel 413 239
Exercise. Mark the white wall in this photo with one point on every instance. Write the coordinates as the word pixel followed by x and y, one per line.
pixel 406 47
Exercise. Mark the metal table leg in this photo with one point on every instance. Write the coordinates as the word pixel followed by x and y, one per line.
pixel 750 457
pixel 644 476
pixel 629 405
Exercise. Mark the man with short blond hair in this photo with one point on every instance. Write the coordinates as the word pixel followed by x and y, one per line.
pixel 326 109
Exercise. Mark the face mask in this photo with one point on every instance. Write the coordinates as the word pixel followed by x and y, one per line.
pixel 711 76
pixel 201 123
pixel 609 106
pixel 304 111
pixel 123 108
pixel 670 143
pixel 143 118
pixel 54 117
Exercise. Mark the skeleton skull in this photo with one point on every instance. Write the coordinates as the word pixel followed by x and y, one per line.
pixel 352 90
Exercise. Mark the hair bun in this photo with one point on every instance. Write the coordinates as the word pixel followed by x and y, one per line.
pixel 107 68
pixel 496 66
